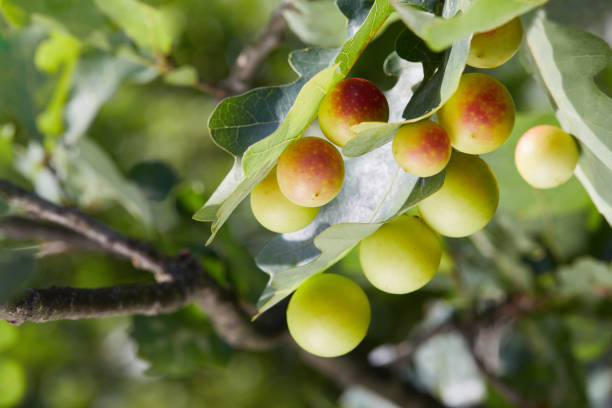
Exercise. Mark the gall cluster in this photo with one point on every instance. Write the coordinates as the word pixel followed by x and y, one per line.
pixel 329 314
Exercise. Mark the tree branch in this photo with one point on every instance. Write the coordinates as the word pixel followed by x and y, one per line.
pixel 66 303
pixel 183 271
pixel 188 283
pixel 55 239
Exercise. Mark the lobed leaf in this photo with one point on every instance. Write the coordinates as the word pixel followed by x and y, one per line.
pixel 259 124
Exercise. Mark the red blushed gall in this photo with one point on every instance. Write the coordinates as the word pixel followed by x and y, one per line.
pixel 479 117
pixel 310 172
pixel 350 102
pixel 422 148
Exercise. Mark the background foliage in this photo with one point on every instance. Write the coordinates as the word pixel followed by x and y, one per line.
pixel 104 105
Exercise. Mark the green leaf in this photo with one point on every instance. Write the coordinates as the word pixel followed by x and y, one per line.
pixel 411 48
pixel 7 153
pixel 150 28
pixel 360 209
pixel 259 124
pixel 185 75
pixel 318 22
pixel 4 207
pixel 59 51
pixel 16 268
pixel 92 178
pixel 13 382
pixel 586 277
pixel 13 14
pixel 19 80
pixel 567 60
pixel 78 17
pixel 97 77
pixel 177 344
pixel 155 178
pixel 482 15
pixel 442 74
pixel 550 341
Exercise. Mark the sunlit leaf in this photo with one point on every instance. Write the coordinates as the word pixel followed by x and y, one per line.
pixel 319 22
pixel 150 28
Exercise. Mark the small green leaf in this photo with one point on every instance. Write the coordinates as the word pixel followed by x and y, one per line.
pixel 155 178
pixel 13 382
pixel 566 61
pixel 97 77
pixel 59 51
pixel 483 15
pixel 7 136
pixel 150 28
pixel 13 14
pixel 93 178
pixel 4 207
pixel 586 277
pixel 80 18
pixel 16 268
pixel 318 22
pixel 185 75
pixel 17 50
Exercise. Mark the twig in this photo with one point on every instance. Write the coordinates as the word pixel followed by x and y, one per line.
pixel 55 239
pixel 244 69
pixel 470 334
pixel 248 61
pixel 394 355
pixel 349 371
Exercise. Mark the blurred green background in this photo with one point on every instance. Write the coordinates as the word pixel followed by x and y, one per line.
pixel 144 163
